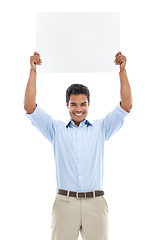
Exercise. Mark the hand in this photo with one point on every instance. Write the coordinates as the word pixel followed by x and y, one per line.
pixel 35 60
pixel 120 60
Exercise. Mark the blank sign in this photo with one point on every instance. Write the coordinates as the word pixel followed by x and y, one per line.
pixel 77 42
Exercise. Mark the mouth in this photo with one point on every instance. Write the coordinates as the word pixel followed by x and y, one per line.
pixel 78 114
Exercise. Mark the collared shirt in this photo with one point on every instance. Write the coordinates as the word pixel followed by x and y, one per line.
pixel 78 151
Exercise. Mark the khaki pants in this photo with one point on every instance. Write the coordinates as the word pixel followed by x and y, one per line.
pixel 70 215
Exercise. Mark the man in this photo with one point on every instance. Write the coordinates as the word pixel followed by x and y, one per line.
pixel 78 148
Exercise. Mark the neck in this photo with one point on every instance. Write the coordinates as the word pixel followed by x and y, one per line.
pixel 77 123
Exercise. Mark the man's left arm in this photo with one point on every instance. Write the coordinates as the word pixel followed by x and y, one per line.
pixel 125 90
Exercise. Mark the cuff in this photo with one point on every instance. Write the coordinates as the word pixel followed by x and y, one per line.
pixel 121 113
pixel 34 114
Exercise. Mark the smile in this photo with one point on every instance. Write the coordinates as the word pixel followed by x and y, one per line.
pixel 78 114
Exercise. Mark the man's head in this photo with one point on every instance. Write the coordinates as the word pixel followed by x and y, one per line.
pixel 77 101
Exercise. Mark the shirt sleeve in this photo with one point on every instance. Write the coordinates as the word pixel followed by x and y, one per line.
pixel 43 122
pixel 114 121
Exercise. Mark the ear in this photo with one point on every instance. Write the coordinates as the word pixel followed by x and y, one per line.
pixel 88 104
pixel 67 105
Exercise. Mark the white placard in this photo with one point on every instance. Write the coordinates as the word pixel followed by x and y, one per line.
pixel 77 42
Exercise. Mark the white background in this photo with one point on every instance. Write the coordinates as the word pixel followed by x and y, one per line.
pixel 27 171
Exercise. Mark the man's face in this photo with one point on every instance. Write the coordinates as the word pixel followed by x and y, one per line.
pixel 78 107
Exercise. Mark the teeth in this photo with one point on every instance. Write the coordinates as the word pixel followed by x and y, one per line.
pixel 78 114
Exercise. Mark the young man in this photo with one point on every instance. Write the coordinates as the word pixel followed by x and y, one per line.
pixel 78 149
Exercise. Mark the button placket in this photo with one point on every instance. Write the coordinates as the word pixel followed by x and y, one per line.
pixel 78 158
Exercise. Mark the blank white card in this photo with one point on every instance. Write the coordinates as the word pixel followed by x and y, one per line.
pixel 78 41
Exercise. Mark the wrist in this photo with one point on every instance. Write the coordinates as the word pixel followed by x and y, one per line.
pixel 33 70
pixel 122 70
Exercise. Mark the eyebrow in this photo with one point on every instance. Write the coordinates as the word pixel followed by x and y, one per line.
pixel 76 103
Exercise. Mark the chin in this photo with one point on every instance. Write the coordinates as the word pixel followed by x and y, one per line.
pixel 77 120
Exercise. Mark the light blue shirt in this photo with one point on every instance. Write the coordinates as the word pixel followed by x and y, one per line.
pixel 78 151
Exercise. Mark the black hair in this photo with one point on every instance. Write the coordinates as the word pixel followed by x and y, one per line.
pixel 77 89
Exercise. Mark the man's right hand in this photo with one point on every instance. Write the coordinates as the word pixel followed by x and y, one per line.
pixel 30 92
pixel 35 60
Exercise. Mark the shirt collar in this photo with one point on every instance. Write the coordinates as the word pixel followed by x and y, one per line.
pixel 85 122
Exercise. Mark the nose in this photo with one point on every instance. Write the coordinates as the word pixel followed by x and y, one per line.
pixel 78 109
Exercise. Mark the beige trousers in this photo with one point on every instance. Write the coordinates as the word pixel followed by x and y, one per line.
pixel 70 215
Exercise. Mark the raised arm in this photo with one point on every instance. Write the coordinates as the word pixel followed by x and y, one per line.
pixel 125 90
pixel 30 92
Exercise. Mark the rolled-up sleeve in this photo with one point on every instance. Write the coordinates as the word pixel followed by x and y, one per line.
pixel 43 122
pixel 114 121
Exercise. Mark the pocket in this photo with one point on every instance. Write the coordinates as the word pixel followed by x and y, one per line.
pixel 105 203
pixel 55 204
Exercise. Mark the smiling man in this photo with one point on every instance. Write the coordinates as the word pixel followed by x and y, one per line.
pixel 80 205
pixel 77 101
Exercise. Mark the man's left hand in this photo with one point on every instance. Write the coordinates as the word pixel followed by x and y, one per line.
pixel 120 60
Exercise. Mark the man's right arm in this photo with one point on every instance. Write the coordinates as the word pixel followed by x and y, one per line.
pixel 30 92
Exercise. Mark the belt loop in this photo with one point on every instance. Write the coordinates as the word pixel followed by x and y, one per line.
pixel 68 193
pixel 94 194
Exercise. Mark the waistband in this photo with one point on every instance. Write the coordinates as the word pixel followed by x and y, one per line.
pixel 91 194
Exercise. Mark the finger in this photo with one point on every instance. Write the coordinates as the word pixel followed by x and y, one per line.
pixel 36 54
pixel 116 63
pixel 35 57
pixel 119 56
pixel 121 59
pixel 119 53
pixel 35 61
pixel 40 62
